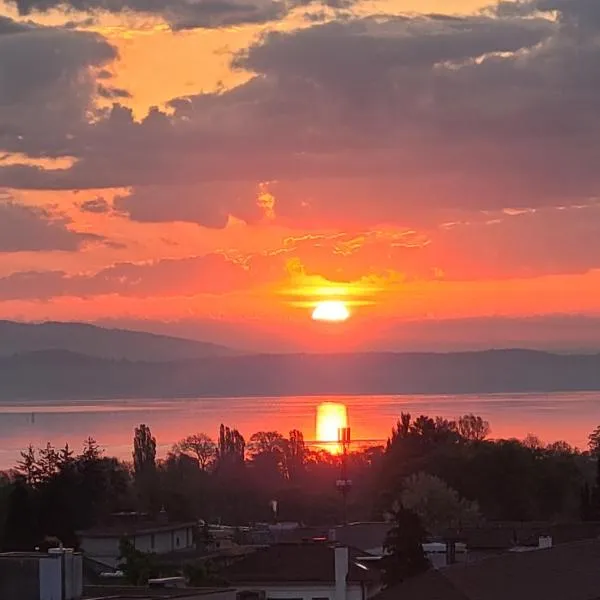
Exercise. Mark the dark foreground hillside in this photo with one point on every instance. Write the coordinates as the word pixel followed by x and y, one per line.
pixel 60 375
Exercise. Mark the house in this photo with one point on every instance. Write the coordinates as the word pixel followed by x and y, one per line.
pixel 501 536
pixel 56 575
pixel 101 544
pixel 156 593
pixel 565 572
pixel 369 536
pixel 314 570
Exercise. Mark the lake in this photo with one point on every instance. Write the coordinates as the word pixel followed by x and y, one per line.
pixel 556 416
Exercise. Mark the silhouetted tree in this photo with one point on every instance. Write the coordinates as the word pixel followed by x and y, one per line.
pixel 201 446
pixel 439 506
pixel 585 505
pixel 20 528
pixel 137 566
pixel 48 462
pixel 6 488
pixel 473 428
pixel 403 545
pixel 506 478
pixel 186 489
pixel 594 441
pixel 65 457
pixel 266 442
pixel 28 467
pixel 231 448
pixel 267 450
pixel 144 468
pixel 144 451
pixel 295 455
pixel 533 442
pixel 91 450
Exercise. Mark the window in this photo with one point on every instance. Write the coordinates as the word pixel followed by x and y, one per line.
pixel 177 541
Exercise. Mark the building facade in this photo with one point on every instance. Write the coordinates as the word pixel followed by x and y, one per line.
pixel 103 544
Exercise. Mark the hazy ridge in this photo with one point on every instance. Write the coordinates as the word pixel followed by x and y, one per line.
pixel 56 375
pixel 101 342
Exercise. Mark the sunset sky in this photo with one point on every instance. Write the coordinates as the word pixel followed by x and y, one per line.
pixel 213 168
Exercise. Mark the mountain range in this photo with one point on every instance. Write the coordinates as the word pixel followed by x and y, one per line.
pixel 56 361
pixel 101 342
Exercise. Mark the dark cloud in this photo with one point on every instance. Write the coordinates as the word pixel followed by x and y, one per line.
pixel 579 13
pixel 180 14
pixel 376 46
pixel 209 274
pixel 34 59
pixel 8 25
pixel 112 93
pixel 208 204
pixel 95 205
pixel 381 119
pixel 46 85
pixel 26 228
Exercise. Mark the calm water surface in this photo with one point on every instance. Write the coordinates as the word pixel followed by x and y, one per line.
pixel 558 416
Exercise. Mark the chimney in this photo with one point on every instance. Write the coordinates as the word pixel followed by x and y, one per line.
pixel 67 580
pixel 544 541
pixel 341 572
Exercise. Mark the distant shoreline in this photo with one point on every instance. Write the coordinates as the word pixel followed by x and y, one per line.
pixel 333 396
pixel 66 376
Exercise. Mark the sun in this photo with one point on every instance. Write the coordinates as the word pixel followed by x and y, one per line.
pixel 333 311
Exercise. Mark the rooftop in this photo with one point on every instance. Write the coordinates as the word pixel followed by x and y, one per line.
pixel 146 593
pixel 308 562
pixel 366 535
pixel 505 535
pixel 566 572
pixel 133 527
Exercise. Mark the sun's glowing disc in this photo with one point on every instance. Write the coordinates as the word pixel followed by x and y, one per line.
pixel 332 311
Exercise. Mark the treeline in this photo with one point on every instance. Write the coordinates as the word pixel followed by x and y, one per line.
pixel 448 472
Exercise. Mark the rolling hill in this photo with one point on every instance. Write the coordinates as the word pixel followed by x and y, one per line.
pixel 56 375
pixel 18 338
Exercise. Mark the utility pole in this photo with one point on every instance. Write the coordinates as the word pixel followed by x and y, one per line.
pixel 344 484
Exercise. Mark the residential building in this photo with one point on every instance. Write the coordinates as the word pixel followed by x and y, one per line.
pixel 314 570
pixel 568 571
pixel 56 575
pixel 369 536
pixel 102 544
pixel 156 593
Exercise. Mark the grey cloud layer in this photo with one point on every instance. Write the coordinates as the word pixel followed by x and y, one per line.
pixel 46 85
pixel 210 274
pixel 25 228
pixel 421 113
pixel 180 14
